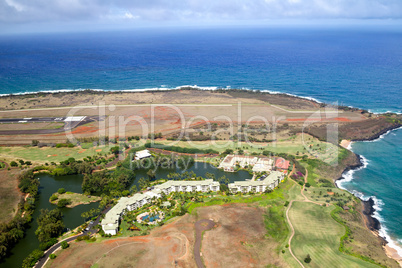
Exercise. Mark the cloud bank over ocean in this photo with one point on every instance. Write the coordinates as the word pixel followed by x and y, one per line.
pixel 138 12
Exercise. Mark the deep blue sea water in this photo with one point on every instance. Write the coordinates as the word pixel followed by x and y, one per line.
pixel 357 67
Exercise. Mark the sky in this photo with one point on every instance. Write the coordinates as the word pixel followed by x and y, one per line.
pixel 70 15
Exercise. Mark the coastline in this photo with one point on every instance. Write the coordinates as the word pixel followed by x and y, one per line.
pixel 369 205
pixel 161 89
pixel 372 223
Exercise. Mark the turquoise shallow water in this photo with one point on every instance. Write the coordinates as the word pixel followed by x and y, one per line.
pixel 381 179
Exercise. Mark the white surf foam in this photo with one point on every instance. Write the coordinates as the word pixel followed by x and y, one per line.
pixel 289 94
pixel 378 203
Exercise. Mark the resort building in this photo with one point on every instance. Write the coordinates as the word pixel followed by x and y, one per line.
pixel 269 182
pixel 263 164
pixel 281 164
pixel 188 186
pixel 259 164
pixel 142 154
pixel 110 224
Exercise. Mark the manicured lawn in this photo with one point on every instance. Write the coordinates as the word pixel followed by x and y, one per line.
pixel 47 154
pixel 317 234
pixel 293 145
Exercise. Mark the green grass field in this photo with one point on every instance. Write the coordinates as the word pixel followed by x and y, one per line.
pixel 293 145
pixel 48 154
pixel 317 234
pixel 75 198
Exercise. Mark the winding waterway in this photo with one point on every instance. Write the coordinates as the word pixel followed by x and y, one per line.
pixel 72 216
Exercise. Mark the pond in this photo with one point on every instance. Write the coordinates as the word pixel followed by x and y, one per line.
pixel 72 216
pixel 200 169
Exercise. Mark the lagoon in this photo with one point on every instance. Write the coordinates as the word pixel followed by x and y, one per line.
pixel 72 216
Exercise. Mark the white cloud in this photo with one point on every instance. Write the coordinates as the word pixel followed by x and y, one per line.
pixel 18 7
pixel 105 12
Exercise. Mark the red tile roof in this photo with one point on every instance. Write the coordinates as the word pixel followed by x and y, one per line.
pixel 282 163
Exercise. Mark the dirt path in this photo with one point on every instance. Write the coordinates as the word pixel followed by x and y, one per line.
pixel 302 191
pixel 6 165
pixel 288 219
pixel 200 227
pixel 293 233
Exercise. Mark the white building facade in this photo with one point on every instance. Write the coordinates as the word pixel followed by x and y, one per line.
pixel 269 182
pixel 110 224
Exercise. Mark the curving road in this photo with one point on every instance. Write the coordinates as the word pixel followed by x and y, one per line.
pixel 55 247
pixel 200 227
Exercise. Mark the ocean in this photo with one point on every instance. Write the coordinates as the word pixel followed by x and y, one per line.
pixel 359 67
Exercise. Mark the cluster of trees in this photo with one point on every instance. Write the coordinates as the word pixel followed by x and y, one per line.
pixel 50 226
pixel 22 162
pixel 13 231
pixel 104 182
pixel 130 138
pixel 71 166
pixel 61 145
pixel 10 233
pixel 246 137
pixel 180 149
pixel 153 136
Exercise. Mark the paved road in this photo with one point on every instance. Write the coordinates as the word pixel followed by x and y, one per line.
pixel 53 248
pixel 32 120
pixel 68 124
pixel 200 227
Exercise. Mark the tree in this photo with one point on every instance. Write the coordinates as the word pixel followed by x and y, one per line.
pixel 143 183
pixel 64 244
pixel 133 189
pixel 35 142
pixel 14 164
pixel 61 191
pixel 63 202
pixel 50 224
pixel 32 258
pixel 228 151
pixel 307 259
pixel 115 150
pixel 151 174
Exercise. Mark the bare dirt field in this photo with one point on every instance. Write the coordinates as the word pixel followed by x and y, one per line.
pixel 237 240
pixel 141 113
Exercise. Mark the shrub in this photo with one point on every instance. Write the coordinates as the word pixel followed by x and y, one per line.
pixel 52 256
pixel 64 244
pixel 14 164
pixel 53 198
pixel 63 202
pixel 61 191
pixel 32 258
pixel 307 259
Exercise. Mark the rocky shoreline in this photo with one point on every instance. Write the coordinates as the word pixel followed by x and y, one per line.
pixel 368 205
pixel 372 223
pixel 380 133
